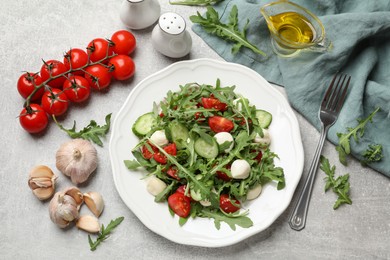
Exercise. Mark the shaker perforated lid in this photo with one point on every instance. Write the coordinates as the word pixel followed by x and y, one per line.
pixel 172 23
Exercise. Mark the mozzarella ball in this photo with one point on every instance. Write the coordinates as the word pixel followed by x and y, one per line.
pixel 154 185
pixel 205 203
pixel 225 137
pixel 254 192
pixel 240 169
pixel 159 138
pixel 265 140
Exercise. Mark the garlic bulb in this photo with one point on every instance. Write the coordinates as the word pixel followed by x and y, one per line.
pixel 42 182
pixel 77 159
pixel 94 202
pixel 64 206
pixel 88 223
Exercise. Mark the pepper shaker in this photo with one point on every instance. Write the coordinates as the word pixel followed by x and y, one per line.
pixel 170 36
pixel 139 14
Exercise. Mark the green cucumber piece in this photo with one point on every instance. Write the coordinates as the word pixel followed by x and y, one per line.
pixel 144 124
pixel 205 149
pixel 264 118
pixel 177 133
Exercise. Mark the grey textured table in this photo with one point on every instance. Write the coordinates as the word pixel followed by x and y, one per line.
pixel 35 30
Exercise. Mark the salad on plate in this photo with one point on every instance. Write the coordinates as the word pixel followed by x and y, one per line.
pixel 207 151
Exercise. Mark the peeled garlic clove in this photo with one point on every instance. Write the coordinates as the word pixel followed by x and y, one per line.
pixel 77 159
pixel 88 223
pixel 94 202
pixel 64 206
pixel 42 182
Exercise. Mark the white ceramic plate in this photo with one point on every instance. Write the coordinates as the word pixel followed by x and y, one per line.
pixel 286 142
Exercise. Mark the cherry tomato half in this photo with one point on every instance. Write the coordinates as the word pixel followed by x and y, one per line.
pixel 55 102
pixel 180 204
pixel 146 153
pixel 228 205
pixel 122 67
pixel 76 58
pixel 98 76
pixel 220 124
pixel 124 42
pixel 160 158
pixel 172 172
pixel 27 83
pixel 33 119
pixel 215 103
pixel 98 49
pixel 53 68
pixel 77 89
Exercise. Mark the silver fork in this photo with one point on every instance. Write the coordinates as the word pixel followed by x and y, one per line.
pixel 328 114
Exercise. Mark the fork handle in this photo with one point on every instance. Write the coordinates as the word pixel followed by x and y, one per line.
pixel 297 219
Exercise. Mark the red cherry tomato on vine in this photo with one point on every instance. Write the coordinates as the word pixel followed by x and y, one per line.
pixel 220 124
pixel 55 102
pixel 98 49
pixel 228 205
pixel 76 58
pixel 53 68
pixel 26 85
pixel 77 89
pixel 98 76
pixel 180 204
pixel 124 42
pixel 33 119
pixel 122 67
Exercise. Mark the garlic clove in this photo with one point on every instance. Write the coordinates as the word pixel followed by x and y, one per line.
pixel 42 182
pixel 88 223
pixel 64 206
pixel 94 202
pixel 77 159
pixel 76 194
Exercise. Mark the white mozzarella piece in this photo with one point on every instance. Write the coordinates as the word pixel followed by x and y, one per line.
pixel 154 185
pixel 225 137
pixel 159 138
pixel 254 192
pixel 265 140
pixel 240 169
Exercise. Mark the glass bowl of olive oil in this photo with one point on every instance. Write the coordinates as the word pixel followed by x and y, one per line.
pixel 293 29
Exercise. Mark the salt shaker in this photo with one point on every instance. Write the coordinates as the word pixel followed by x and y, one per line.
pixel 170 36
pixel 139 14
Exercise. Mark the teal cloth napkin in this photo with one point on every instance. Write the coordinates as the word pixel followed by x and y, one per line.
pixel 360 33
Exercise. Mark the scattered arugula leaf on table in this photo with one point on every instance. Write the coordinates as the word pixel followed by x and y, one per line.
pixel 340 185
pixel 92 132
pixel 372 154
pixel 344 146
pixel 229 32
pixel 104 233
pixel 194 2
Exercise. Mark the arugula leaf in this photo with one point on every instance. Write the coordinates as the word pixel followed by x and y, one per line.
pixel 229 32
pixel 344 146
pixel 91 132
pixel 232 220
pixel 104 233
pixel 194 2
pixel 340 185
pixel 132 164
pixel 372 154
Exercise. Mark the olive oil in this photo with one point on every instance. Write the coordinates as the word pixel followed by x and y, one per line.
pixel 293 27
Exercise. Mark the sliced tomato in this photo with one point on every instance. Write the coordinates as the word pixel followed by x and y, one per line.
pixel 223 176
pixel 220 124
pixel 215 103
pixel 160 158
pixel 180 204
pixel 172 172
pixel 227 204
pixel 146 153
pixel 259 156
pixel 171 149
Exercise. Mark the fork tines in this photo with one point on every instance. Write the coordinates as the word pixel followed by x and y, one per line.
pixel 333 100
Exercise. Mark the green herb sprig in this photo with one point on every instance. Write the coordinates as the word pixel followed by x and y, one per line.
pixel 194 2
pixel 344 146
pixel 229 32
pixel 372 154
pixel 104 233
pixel 340 185
pixel 91 132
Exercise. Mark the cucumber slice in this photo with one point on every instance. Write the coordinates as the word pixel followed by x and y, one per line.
pixel 205 149
pixel 264 118
pixel 144 124
pixel 177 133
